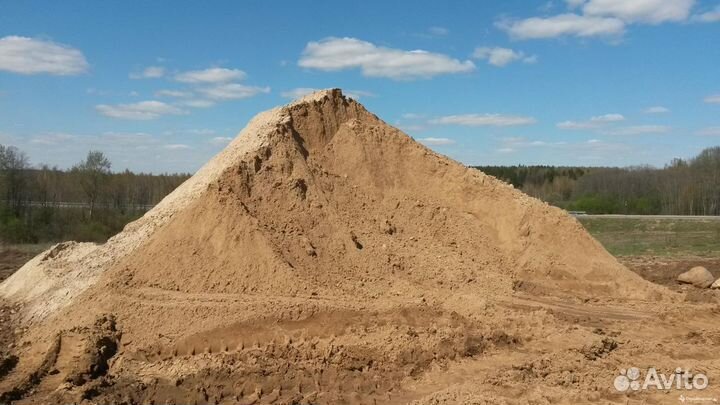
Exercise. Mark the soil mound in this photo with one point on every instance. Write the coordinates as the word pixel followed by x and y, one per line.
pixel 323 257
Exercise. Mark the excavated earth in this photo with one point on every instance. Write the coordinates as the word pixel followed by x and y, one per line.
pixel 325 257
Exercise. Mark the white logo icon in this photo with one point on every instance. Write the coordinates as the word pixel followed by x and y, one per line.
pixel 630 380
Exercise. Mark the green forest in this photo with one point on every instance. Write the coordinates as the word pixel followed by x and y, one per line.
pixel 90 202
pixel 682 187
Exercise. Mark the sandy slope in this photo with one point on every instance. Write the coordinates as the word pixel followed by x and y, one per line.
pixel 326 257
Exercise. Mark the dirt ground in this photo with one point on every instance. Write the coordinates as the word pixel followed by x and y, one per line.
pixel 12 259
pixel 512 363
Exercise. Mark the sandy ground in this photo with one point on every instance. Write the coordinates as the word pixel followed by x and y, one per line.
pixel 327 258
pixel 572 358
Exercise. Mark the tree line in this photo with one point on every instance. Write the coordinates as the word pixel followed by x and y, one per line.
pixel 682 187
pixel 88 202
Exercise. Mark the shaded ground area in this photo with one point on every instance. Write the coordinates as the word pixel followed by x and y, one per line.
pixel 665 270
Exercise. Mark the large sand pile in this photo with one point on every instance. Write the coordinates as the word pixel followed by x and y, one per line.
pixel 323 257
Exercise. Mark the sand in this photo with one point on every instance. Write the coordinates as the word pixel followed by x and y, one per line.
pixel 326 257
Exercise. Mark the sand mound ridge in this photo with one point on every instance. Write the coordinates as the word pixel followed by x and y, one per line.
pixel 323 257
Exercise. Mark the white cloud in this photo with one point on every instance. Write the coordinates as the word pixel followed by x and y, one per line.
pixel 563 24
pixel 176 146
pixel 498 56
pixel 232 91
pixel 357 94
pixel 710 131
pixel 304 91
pixel 656 110
pixel 574 3
pixel 638 130
pixel 298 92
pixel 476 120
pixel 576 125
pixel 517 142
pixel 34 56
pixel 593 122
pixel 172 93
pixel 220 140
pixel 203 131
pixel 93 90
pixel 505 150
pixel 644 11
pixel 135 150
pixel 150 72
pixel 438 31
pixel 198 103
pixel 436 141
pixel 144 110
pixel 334 54
pixel 411 116
pixel 52 139
pixel 608 118
pixel 211 75
pixel 410 128
pixel 709 16
pixel 712 99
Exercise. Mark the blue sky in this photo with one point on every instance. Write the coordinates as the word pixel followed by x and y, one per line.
pixel 163 85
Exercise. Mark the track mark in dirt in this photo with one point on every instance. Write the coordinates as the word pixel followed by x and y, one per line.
pixel 70 352
pixel 585 313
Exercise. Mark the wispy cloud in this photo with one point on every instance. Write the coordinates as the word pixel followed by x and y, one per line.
pixel 708 16
pixel 298 92
pixel 173 93
pixel 638 130
pixel 304 91
pixel 656 110
pixel 220 140
pixel 478 120
pixel 197 103
pixel 210 76
pixel 712 99
pixel 176 146
pixel 593 122
pixel 232 91
pixel 643 11
pixel 213 85
pixel 600 18
pixel 498 56
pixel 710 131
pixel 358 94
pixel 334 54
pixel 562 25
pixel 30 56
pixel 144 110
pixel 150 72
pixel 439 31
pixel 51 139
pixel 430 141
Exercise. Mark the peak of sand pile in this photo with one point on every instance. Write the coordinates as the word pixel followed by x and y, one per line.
pixel 317 216
pixel 55 277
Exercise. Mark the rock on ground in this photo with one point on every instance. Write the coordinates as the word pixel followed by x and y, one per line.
pixel 698 276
